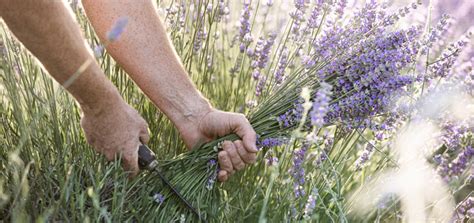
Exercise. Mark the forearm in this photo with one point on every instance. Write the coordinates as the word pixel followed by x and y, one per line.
pixel 146 54
pixel 50 32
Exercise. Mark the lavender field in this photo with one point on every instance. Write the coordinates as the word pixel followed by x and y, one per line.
pixel 364 112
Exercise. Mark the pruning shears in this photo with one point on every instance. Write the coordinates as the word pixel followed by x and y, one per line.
pixel 147 161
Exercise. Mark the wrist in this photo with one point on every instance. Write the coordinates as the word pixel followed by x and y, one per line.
pixel 192 115
pixel 101 101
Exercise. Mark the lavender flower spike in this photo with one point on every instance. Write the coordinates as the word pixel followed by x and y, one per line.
pixel 321 105
pixel 297 170
pixel 117 29
pixel 244 32
pixel 311 204
pixel 366 154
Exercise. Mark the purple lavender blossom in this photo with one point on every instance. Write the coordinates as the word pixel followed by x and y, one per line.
pixel 297 171
pixel 459 164
pixel 271 160
pixel 465 210
pixel 260 55
pixel 325 150
pixel 200 38
pixel 211 164
pixel 269 3
pixel 117 29
pixel 293 116
pixel 282 64
pixel 271 142
pixel 158 198
pixel 444 64
pixel 436 33
pixel 298 17
pixel 370 76
pixel 320 105
pixel 449 169
pixel 311 203
pixel 453 134
pixel 245 36
pixel 222 10
pixel 366 154
pixel 260 85
pixel 313 20
pixel 341 5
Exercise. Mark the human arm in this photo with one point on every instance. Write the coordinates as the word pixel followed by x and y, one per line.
pixel 49 31
pixel 146 54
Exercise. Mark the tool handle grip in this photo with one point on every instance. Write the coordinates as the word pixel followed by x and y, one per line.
pixel 145 157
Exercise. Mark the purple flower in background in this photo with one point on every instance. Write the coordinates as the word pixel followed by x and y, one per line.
pixel 453 134
pixel 459 164
pixel 321 105
pixel 298 17
pixel 297 171
pixel 269 3
pixel 260 55
pixel 313 20
pixel 436 33
pixel 449 169
pixel 260 85
pixel 444 63
pixel 465 210
pixel 282 64
pixel 200 38
pixel 366 154
pixel 341 4
pixel 245 36
pixel 117 29
pixel 311 203
pixel 223 10
pixel 265 52
pixel 271 160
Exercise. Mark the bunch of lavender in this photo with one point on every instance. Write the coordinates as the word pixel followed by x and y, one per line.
pixel 353 70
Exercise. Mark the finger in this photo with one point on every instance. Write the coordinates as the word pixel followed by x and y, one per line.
pixel 248 158
pixel 231 149
pixel 109 154
pixel 245 131
pixel 144 134
pixel 130 160
pixel 224 161
pixel 222 176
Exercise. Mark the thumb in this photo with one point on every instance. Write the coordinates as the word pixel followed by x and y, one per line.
pixel 245 131
pixel 130 160
pixel 144 135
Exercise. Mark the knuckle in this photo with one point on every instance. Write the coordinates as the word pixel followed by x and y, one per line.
pixel 226 144
pixel 241 116
pixel 222 155
pixel 240 166
pixel 238 143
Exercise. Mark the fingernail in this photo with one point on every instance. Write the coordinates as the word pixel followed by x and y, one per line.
pixel 255 148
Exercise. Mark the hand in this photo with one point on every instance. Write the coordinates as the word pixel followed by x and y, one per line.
pixel 115 129
pixel 235 155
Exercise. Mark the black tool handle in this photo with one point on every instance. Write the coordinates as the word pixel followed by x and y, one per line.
pixel 145 157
